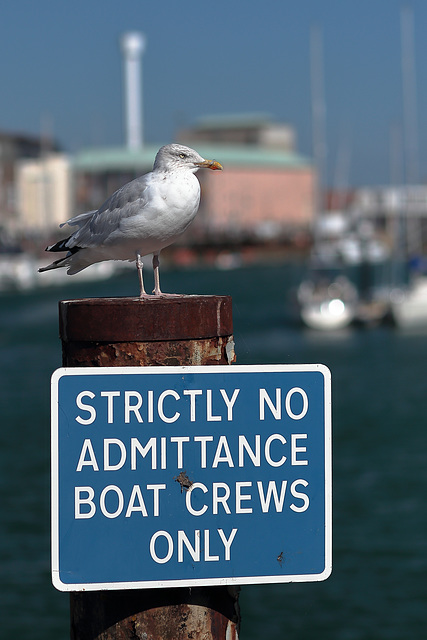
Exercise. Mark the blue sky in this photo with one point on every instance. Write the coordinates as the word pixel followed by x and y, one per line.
pixel 60 64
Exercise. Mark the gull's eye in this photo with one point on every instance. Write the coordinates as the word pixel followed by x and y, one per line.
pixel 182 155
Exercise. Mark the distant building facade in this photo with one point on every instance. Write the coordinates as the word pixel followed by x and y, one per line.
pixel 13 149
pixel 44 192
pixel 398 211
pixel 389 201
pixel 256 130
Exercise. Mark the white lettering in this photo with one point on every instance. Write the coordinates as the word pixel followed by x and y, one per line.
pixel 302 496
pixel 180 440
pixel 295 449
pixel 222 444
pixel 188 496
pixel 150 403
pixel 136 446
pixel 110 403
pixel 192 393
pixel 217 499
pixel 120 444
pixel 270 439
pixel 132 408
pixel 113 496
pixel 241 497
pixel 78 501
pixel 272 491
pixel 203 440
pixel 169 553
pixel 229 402
pixel 193 551
pixel 276 409
pixel 87 447
pixel 120 502
pixel 86 407
pixel 210 417
pixel 208 557
pixel 136 494
pixel 244 445
pixel 227 541
pixel 291 414
pixel 162 545
pixel 156 488
pixel 162 396
pixel 162 453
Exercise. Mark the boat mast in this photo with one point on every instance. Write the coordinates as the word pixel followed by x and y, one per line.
pixel 318 118
pixel 410 127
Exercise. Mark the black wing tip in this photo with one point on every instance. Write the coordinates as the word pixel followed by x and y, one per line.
pixel 61 245
pixel 58 246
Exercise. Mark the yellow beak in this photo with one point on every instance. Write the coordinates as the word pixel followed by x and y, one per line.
pixel 210 164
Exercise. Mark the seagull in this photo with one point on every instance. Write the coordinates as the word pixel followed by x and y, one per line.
pixel 141 218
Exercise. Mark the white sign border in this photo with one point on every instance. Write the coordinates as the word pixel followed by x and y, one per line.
pixel 199 582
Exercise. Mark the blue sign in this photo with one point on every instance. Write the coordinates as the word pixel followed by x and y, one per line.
pixel 190 476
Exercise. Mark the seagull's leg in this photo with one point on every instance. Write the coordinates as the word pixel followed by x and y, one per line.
pixel 156 264
pixel 139 266
pixel 157 291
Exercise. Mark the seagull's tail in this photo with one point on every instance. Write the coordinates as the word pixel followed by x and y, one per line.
pixel 62 262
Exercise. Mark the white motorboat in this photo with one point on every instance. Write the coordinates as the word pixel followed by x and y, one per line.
pixel 409 306
pixel 327 305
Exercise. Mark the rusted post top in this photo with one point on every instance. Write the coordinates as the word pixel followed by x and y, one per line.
pixel 133 319
pixel 114 332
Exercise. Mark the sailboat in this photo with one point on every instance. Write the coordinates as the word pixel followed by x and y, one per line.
pixel 326 298
pixel 409 302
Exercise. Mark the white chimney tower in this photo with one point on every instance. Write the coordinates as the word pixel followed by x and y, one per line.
pixel 133 46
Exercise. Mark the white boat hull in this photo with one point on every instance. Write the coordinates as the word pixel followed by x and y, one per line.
pixel 327 316
pixel 327 304
pixel 409 308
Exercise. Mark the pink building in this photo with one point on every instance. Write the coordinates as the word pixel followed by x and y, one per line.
pixel 257 195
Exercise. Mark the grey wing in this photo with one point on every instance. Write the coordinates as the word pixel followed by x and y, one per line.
pixel 104 224
pixel 79 220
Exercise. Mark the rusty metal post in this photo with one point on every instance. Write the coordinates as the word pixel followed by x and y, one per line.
pixel 186 330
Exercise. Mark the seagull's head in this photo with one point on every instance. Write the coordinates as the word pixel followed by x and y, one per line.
pixel 175 156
